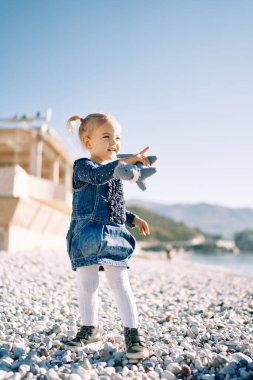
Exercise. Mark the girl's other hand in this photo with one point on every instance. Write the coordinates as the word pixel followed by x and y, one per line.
pixel 139 157
pixel 142 226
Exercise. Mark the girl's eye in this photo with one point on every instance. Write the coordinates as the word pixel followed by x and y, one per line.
pixel 105 137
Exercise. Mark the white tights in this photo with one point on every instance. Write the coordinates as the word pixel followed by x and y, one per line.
pixel 117 277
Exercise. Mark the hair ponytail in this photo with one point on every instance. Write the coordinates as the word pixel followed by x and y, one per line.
pixel 89 123
pixel 72 122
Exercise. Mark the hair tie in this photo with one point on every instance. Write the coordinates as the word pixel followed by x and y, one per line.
pixel 81 119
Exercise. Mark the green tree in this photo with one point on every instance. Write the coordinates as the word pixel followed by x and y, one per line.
pixel 161 228
pixel 244 240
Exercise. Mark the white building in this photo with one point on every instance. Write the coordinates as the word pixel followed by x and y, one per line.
pixel 35 190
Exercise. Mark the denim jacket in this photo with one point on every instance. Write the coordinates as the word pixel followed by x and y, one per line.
pixel 97 194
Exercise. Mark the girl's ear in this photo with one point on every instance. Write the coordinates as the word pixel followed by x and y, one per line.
pixel 86 142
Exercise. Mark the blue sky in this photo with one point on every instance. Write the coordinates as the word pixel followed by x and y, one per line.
pixel 177 75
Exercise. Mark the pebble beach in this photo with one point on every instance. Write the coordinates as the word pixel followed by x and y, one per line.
pixel 198 322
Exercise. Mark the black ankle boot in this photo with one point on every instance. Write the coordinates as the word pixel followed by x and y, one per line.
pixel 86 335
pixel 135 344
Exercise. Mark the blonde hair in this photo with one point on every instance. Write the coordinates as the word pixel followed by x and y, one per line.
pixel 89 123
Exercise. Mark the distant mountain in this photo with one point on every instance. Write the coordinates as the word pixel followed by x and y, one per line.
pixel 213 219
pixel 162 228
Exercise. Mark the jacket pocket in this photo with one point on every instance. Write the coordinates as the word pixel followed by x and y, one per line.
pixel 89 239
pixel 73 235
pixel 119 239
pixel 68 240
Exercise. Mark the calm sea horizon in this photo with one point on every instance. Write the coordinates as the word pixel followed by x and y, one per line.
pixel 241 264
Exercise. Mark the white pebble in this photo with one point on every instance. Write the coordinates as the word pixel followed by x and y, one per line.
pixel 237 356
pixel 168 375
pixel 74 376
pixel 109 370
pixel 86 364
pixel 198 364
pixel 52 374
pixel 109 347
pixel 174 368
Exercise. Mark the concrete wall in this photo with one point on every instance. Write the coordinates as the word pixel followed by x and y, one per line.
pixel 27 224
pixel 34 212
pixel 16 182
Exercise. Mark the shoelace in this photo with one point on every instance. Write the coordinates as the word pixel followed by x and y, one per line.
pixel 135 337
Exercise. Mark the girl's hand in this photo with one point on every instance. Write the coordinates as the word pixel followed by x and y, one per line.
pixel 139 157
pixel 142 226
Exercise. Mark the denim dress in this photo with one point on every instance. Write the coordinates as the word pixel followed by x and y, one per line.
pixel 97 233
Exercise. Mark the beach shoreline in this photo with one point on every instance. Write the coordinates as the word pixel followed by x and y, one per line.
pixel 179 260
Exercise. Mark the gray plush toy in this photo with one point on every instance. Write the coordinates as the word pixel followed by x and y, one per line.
pixel 135 173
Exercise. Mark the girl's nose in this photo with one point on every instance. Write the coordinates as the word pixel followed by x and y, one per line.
pixel 114 140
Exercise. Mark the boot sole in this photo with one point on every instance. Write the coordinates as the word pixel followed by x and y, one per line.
pixel 137 355
pixel 97 344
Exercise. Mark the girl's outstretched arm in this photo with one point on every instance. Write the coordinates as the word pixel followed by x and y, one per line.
pixel 87 171
pixel 139 157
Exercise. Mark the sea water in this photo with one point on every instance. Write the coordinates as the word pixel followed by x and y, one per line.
pixel 241 263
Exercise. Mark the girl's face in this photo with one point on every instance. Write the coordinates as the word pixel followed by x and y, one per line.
pixel 103 143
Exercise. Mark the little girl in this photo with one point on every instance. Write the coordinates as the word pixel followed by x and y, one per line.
pixel 97 238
